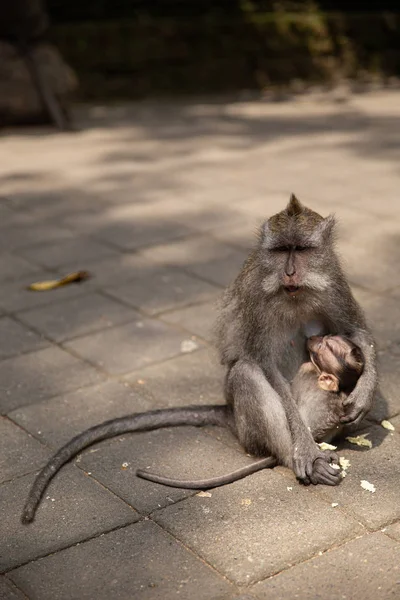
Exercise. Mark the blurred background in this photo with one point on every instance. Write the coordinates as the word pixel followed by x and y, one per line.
pixel 133 49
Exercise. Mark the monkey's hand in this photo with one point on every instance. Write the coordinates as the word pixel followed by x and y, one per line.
pixel 356 406
pixel 312 465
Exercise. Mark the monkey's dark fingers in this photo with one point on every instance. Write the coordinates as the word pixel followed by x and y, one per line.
pixel 322 463
pixel 333 457
pixel 324 479
pixel 324 473
pixel 299 469
pixel 354 417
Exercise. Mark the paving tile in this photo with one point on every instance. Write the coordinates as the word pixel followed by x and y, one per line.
pixel 221 271
pixel 11 218
pixel 8 591
pixel 54 255
pixel 396 422
pixel 244 235
pixel 74 508
pixel 365 568
pixel 78 316
pixel 184 452
pixel 32 377
pixel 194 378
pixel 387 402
pixel 57 420
pixel 210 215
pixel 383 314
pixel 139 561
pixel 245 596
pixel 256 527
pixel 16 339
pixel 131 346
pixel 16 297
pixel 134 233
pixel 379 466
pixel 395 293
pixel 163 290
pixel 13 267
pixel 199 319
pixel 368 246
pixel 21 236
pixel 203 256
pixel 393 531
pixel 58 204
pixel 117 269
pixel 20 453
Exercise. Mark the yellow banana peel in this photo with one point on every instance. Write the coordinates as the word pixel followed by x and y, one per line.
pixel 52 284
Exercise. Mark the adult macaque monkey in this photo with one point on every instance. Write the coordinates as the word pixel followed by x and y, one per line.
pixel 290 287
pixel 319 388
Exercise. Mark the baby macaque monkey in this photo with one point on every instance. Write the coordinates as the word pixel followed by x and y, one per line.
pixel 319 388
pixel 321 385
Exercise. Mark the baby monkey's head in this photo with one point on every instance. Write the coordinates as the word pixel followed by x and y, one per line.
pixel 337 360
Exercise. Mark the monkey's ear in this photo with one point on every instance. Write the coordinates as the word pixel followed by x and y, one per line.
pixel 328 382
pixel 325 230
pixel 294 207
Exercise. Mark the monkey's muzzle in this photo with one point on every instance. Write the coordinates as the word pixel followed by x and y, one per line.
pixel 314 342
pixel 292 290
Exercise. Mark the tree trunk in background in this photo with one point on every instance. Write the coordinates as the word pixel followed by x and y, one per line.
pixel 34 80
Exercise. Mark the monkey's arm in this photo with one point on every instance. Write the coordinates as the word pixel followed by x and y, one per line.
pixel 310 464
pixel 359 402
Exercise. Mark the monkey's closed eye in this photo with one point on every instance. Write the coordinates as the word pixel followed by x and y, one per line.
pixel 281 249
pixel 302 248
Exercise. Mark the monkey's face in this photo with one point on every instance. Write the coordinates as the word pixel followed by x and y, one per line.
pixel 296 246
pixel 338 361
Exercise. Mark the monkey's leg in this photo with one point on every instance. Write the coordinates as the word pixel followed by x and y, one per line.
pixel 260 418
pixel 262 425
pixel 322 415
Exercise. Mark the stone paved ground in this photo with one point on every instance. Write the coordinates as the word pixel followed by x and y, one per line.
pixel 159 202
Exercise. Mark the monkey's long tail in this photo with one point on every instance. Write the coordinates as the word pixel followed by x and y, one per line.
pixel 206 484
pixel 155 419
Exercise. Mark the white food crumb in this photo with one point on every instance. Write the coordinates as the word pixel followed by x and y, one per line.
pixel 344 463
pixel 366 485
pixel 125 465
pixel 360 440
pixel 188 346
pixel 334 504
pixel 335 466
pixel 289 489
pixel 387 425
pixel 204 494
pixel 325 446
